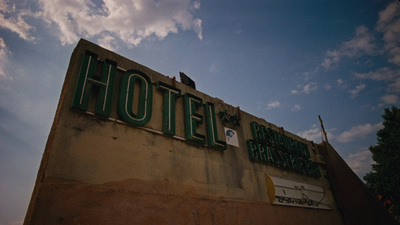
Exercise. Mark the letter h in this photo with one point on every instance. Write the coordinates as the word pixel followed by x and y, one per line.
pixel 87 79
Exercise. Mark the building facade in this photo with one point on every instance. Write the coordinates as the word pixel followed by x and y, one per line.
pixel 129 145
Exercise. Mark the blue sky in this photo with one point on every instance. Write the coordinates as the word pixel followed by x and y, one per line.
pixel 284 61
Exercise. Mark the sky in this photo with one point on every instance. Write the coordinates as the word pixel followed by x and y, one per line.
pixel 285 61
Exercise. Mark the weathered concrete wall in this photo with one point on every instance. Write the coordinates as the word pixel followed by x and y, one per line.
pixel 355 201
pixel 159 202
pixel 102 171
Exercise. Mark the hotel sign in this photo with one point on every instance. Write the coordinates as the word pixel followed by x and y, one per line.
pixel 267 145
pixel 271 147
pixel 132 79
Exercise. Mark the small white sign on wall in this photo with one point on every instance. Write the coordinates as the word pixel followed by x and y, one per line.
pixel 231 137
pixel 287 192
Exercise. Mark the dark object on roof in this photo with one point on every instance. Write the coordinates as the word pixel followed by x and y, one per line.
pixel 186 80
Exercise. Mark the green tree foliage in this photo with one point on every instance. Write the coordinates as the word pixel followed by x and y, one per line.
pixel 384 179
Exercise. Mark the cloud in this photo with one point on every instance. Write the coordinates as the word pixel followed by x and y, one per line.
pixel 131 21
pixel 3 58
pixel 296 107
pixel 389 24
pixel 196 5
pixel 342 84
pixel 213 68
pixel 14 19
pixel 360 162
pixel 328 87
pixel 390 99
pixel 387 75
pixel 395 86
pixel 381 74
pixel 315 134
pixel 305 89
pixel 356 90
pixel 108 42
pixel 273 104
pixel 358 132
pixel 360 44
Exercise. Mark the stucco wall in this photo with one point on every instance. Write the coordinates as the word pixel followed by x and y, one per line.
pixel 357 204
pixel 103 171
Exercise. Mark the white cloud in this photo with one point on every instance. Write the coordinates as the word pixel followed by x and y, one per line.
pixel 382 74
pixel 328 87
pixel 197 28
pixel 108 42
pixel 342 84
pixel 315 134
pixel 390 99
pixel 305 89
pixel 389 25
pixel 273 104
pixel 213 68
pixel 296 107
pixel 358 132
pixel 360 44
pixel 3 6
pixel 357 90
pixel 387 75
pixel 129 20
pixel 360 162
pixel 309 87
pixel 3 58
pixel 395 86
pixel 196 5
pixel 14 19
